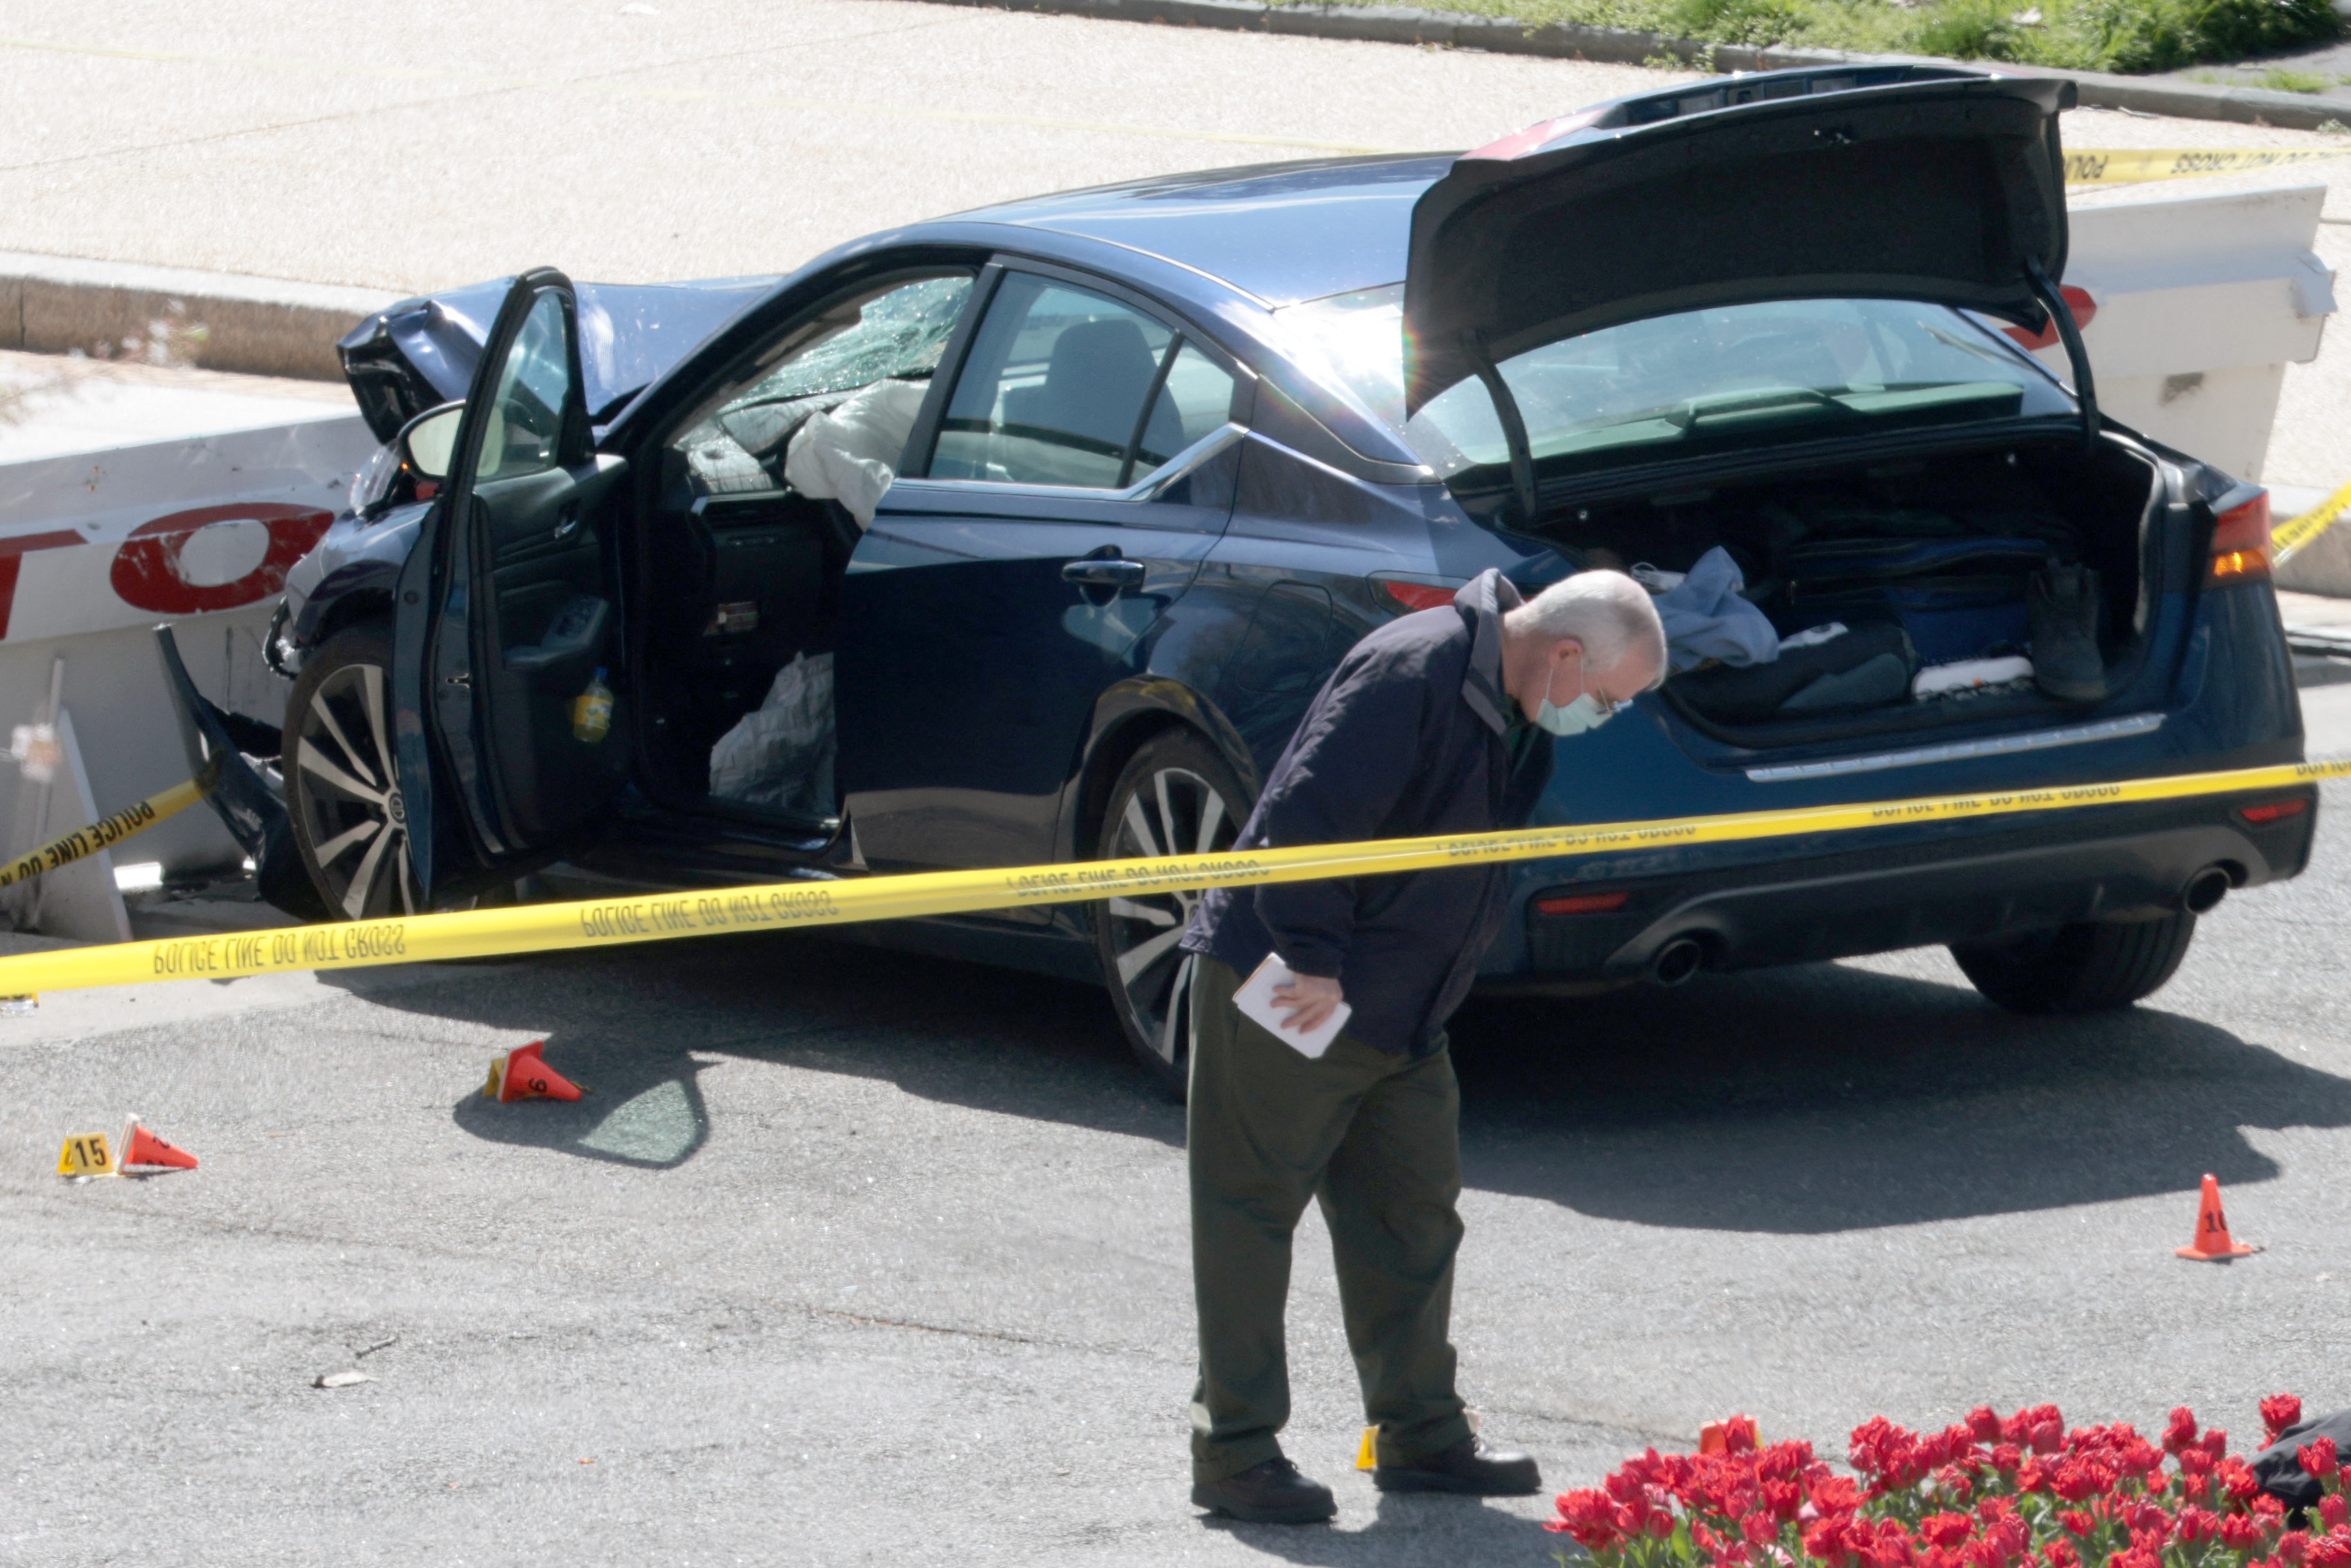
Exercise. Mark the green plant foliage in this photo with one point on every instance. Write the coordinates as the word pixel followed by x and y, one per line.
pixel 1754 22
pixel 2126 35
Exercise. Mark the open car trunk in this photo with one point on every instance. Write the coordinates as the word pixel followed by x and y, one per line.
pixel 1800 275
pixel 1872 597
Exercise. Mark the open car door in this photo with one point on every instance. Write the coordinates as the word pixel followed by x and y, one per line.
pixel 507 631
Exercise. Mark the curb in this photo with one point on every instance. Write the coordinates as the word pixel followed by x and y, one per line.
pixel 254 326
pixel 1452 29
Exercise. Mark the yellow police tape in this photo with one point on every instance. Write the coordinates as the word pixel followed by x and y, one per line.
pixel 106 832
pixel 606 922
pixel 2295 532
pixel 2122 166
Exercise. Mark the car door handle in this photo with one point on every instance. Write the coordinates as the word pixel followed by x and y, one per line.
pixel 1105 573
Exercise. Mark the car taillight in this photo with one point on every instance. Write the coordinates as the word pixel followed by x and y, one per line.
pixel 1418 595
pixel 2273 811
pixel 1582 903
pixel 2241 542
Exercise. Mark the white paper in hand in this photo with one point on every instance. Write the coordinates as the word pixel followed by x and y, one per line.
pixel 1256 1001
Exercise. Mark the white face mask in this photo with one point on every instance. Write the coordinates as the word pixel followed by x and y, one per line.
pixel 1583 715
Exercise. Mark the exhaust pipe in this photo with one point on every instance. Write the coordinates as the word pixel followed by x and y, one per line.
pixel 1677 961
pixel 2205 889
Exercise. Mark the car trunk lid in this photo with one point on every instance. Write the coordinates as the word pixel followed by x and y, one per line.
pixel 1900 182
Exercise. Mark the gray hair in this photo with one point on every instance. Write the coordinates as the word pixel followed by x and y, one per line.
pixel 1607 611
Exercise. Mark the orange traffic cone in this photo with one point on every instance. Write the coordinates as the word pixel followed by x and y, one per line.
pixel 523 1073
pixel 1717 1437
pixel 142 1147
pixel 2214 1243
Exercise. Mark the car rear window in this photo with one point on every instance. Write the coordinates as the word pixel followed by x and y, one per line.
pixel 1735 375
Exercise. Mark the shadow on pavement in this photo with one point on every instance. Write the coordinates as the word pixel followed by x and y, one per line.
pixel 1405 1530
pixel 1797 1101
pixel 636 1026
pixel 638 1107
pixel 1827 1098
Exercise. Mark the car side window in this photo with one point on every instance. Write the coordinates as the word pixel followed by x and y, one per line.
pixel 1056 389
pixel 1197 398
pixel 525 421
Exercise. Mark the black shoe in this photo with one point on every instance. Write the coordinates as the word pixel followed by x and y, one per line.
pixel 2061 607
pixel 1470 1467
pixel 1270 1494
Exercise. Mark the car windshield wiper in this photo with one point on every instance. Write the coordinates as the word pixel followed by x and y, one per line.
pixel 1769 404
pixel 1762 408
pixel 1989 352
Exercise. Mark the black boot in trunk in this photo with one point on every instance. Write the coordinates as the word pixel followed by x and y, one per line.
pixel 2062 611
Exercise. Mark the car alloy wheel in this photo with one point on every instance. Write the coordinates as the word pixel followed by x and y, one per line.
pixel 349 821
pixel 1176 796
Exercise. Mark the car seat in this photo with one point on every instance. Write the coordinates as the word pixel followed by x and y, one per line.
pixel 1096 382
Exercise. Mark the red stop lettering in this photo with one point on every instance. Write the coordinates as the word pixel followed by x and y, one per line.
pixel 147 574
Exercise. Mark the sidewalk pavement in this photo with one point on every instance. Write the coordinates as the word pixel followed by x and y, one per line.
pixel 704 137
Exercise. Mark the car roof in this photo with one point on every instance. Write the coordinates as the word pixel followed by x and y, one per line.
pixel 1280 232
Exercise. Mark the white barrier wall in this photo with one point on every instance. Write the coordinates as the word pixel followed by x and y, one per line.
pixel 98 547
pixel 2197 305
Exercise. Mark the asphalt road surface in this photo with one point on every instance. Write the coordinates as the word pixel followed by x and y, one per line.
pixel 850 1258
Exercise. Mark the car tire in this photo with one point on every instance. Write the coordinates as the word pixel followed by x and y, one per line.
pixel 1176 795
pixel 2090 967
pixel 342 798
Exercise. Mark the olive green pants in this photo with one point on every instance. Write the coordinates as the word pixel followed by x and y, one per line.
pixel 1375 1138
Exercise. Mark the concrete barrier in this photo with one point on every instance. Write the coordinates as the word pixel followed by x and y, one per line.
pixel 2324 565
pixel 2200 302
pixel 98 545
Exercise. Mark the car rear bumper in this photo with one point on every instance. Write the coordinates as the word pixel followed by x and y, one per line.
pixel 2114 863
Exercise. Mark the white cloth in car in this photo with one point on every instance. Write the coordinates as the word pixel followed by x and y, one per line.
pixel 850 452
pixel 1969 675
pixel 1813 636
pixel 780 754
pixel 1705 617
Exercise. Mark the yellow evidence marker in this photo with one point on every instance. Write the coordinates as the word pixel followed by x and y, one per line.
pixel 1368 1457
pixel 86 1155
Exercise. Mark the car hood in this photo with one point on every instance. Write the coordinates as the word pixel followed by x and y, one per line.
pixel 421 353
pixel 1889 182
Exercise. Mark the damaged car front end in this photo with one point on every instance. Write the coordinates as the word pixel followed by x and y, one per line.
pixel 408 367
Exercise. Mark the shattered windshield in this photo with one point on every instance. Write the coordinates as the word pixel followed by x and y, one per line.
pixel 1700 378
pixel 901 332
pixel 896 332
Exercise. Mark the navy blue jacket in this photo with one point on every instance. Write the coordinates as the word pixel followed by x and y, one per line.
pixel 1411 736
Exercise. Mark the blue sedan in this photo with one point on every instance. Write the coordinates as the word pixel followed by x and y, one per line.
pixel 1026 535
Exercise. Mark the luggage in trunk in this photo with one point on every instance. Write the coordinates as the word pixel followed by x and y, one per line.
pixel 1957 598
pixel 1925 565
